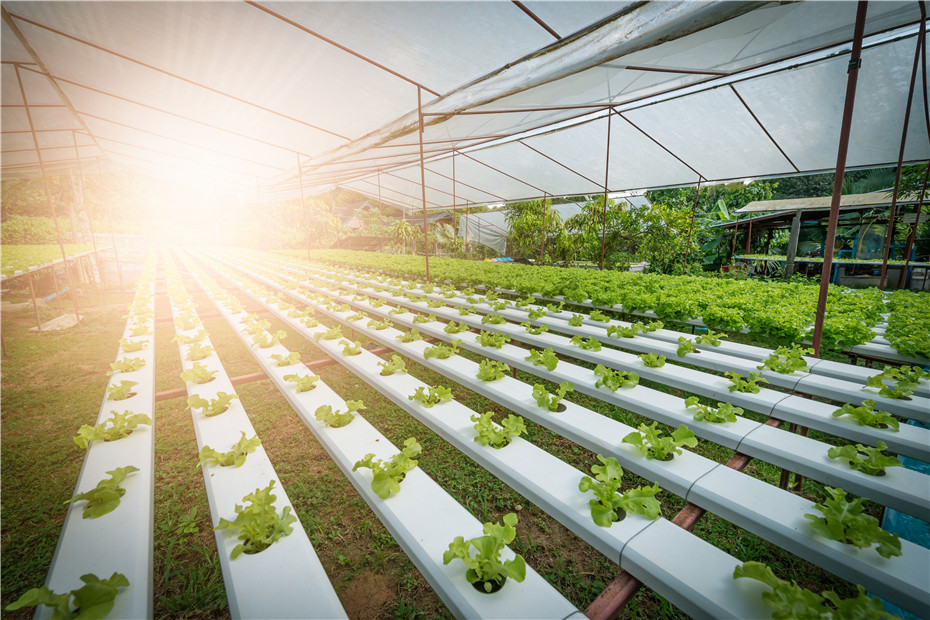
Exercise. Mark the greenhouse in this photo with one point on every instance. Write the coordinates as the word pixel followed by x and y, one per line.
pixel 565 309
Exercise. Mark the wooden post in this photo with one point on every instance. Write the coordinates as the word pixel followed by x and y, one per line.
pixel 35 304
pixel 793 244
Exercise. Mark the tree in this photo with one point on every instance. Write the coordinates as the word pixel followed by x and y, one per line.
pixel 531 224
pixel 402 233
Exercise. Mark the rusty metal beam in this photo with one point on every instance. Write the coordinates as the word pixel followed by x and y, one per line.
pixel 762 127
pixel 697 193
pixel 660 145
pixel 423 183
pixel 537 19
pixel 600 264
pixel 572 170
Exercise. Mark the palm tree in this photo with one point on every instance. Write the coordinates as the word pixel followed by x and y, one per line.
pixel 402 232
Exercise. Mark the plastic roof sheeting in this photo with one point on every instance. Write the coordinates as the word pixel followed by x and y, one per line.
pixel 237 97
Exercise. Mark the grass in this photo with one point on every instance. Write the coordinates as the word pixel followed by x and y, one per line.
pixel 44 401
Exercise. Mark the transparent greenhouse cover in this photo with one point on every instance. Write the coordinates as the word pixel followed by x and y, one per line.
pixel 281 99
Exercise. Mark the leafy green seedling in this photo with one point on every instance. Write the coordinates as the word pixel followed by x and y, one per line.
pixel 785 361
pixel 387 476
pixel 551 401
pixel 536 313
pixel 493 319
pixel 379 325
pixel 498 305
pixel 396 364
pixel 197 336
pixel 117 426
pixel 685 346
pixel 92 601
pixel 788 600
pixel 490 434
pixel 255 324
pixel 466 310
pixel 845 521
pixel 743 384
pixel 492 339
pixel 104 498
pixel 340 307
pixel 264 339
pixel 725 412
pixel 334 333
pixel 619 331
pixel 127 364
pixel 121 390
pixel 492 370
pixel 652 445
pixel 653 360
pixel 212 407
pixel 434 396
pixel 521 302
pixel 485 567
pixel 576 320
pixel 534 330
pixel 398 310
pixel 597 315
pixel 139 330
pixel 651 326
pixel 358 316
pixel 608 500
pixel 376 303
pixel 285 360
pixel 304 383
pixel 614 379
pixel 441 351
pixel 197 352
pixel 868 460
pixel 235 457
pixel 412 336
pixel 474 299
pixel 711 337
pixel 591 344
pixel 455 328
pixel 309 321
pixel 435 303
pixel 338 419
pixel 555 308
pixel 866 415
pixel 198 373
pixel 905 380
pixel 424 318
pixel 351 348
pixel 546 358
pixel 131 346
pixel 259 524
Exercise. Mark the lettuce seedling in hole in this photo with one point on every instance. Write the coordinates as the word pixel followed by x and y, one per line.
pixel 434 396
pixel 235 457
pixel 264 339
pixel 127 364
pixel 536 313
pixel 412 336
pixel 686 346
pixel 486 572
pixel 131 346
pixel 789 600
pixel 387 476
pixel 597 315
pixel 609 504
pixel 304 383
pixel 905 381
pixel 212 407
pixel 350 348
pixel 651 326
pixel 309 321
pixel 285 360
pixel 576 320
pixel 92 601
pixel 490 434
pixel 259 524
pixel 139 330
pixel 434 303
pixel 358 316
pixel 379 325
pixel 866 415
pixel 555 308
pixel 441 351
pixel 466 310
pixel 396 364
pixel 121 390
pixel 725 412
pixel 424 318
pixel 330 334
pixel 591 344
pixel 493 319
pixel 492 370
pixel 338 419
pixel 653 360
pixel 614 379
pixel 498 305
pixel 254 324
pixel 198 373
pixel 473 299
pixel 197 336
pixel 785 361
pixel 455 328
pixel 398 310
pixel 492 339
pixel 104 498
pixel 652 445
pixel 521 302
pixel 198 352
pixel 844 521
pixel 552 402
pixel 376 303
pixel 546 358
pixel 117 426
pixel 711 337
pixel 743 384
pixel 868 460
pixel 534 330
pixel 619 331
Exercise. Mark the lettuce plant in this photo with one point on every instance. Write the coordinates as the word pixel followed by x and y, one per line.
pixel 493 319
pixel 614 379
pixel 259 524
pixel 121 390
pixel 197 336
pixel 551 401
pixel 379 325
pixel 131 346
pixel 490 434
pixel 725 412
pixel 434 303
pixel 555 308
pixel 398 310
pixel 685 346
pixel 865 415
pixel 117 426
pixel 338 419
pixel 868 460
pixel 845 521
pixel 607 497
pixel 597 315
pixel 536 313
pixel 198 373
pixel 711 337
pixel 744 384
pixel 546 358
pixel 350 348
pixel 412 336
pixel 534 330
pixel 396 364
pixel 424 318
pixel 653 445
pixel 197 352
pixel 92 601
pixel 455 328
pixel 127 364
pixel 304 383
pixel 492 339
pixel 264 340
pixel 285 360
pixel 576 320
pixel 785 360
pixel 619 331
pixel 485 568
pixel 310 322
pixel 905 379
pixel 466 310
pixel 441 351
pixel 591 344
pixel 358 316
pixel 236 455
pixel 653 360
pixel 434 396
pixel 492 370
pixel 212 407
pixel 105 497
pixel 387 475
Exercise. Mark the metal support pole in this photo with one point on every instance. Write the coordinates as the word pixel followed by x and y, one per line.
pixel 913 232
pixel 897 176
pixel 380 207
pixel 93 237
pixel 542 251
pixel 48 194
pixel 423 180
pixel 855 61
pixel 57 292
pixel 733 245
pixel 697 193
pixel 792 244
pixel 455 234
pixel 35 304
pixel 600 264
pixel 749 236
